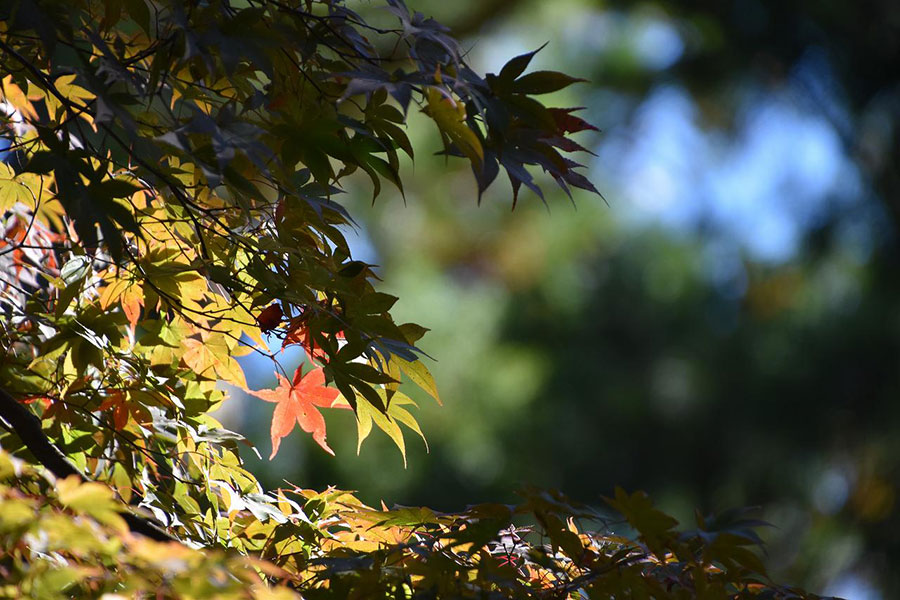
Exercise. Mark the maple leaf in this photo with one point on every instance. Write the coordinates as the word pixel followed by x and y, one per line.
pixel 270 318
pixel 299 334
pixel 198 356
pixel 116 401
pixel 128 294
pixel 50 407
pixel 132 300
pixel 125 408
pixel 297 401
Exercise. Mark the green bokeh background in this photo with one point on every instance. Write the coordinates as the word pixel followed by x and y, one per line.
pixel 724 332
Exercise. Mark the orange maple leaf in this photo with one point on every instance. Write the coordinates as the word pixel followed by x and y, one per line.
pixel 297 401
pixel 132 300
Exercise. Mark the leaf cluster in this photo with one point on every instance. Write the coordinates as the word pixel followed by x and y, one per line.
pixel 329 545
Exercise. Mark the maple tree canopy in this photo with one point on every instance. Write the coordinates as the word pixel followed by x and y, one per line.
pixel 170 192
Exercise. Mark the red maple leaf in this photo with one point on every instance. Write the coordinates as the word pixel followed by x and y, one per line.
pixel 270 318
pixel 299 333
pixel 296 401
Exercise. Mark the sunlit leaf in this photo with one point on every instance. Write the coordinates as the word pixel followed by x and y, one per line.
pixel 297 402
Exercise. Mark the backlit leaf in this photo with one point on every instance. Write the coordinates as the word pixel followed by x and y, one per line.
pixel 297 402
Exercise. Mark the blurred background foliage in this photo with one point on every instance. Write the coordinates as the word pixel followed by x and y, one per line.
pixel 725 332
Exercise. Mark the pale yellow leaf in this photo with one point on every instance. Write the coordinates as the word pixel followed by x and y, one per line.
pixel 418 374
pixel 14 95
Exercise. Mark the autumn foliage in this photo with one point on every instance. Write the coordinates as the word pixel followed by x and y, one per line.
pixel 170 194
pixel 296 400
